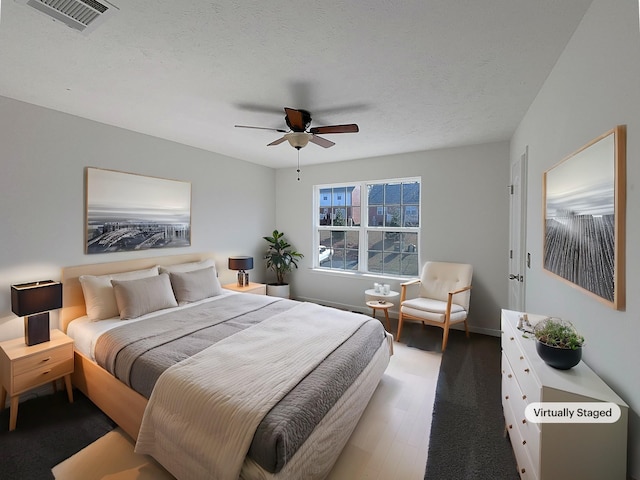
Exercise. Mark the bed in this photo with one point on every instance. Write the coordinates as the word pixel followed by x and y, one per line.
pixel 254 387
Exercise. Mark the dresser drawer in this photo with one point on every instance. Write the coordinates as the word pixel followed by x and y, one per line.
pixel 43 374
pixel 43 359
pixel 556 451
pixel 512 392
pixel 527 468
pixel 520 365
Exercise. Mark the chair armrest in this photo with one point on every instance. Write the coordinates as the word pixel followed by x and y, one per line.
pixel 450 300
pixel 403 288
pixel 464 289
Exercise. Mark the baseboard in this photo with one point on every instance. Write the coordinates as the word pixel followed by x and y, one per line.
pixel 393 314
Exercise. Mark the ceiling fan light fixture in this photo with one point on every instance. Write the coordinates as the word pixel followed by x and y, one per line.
pixel 298 139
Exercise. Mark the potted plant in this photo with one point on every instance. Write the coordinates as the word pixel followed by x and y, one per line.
pixel 281 258
pixel 558 343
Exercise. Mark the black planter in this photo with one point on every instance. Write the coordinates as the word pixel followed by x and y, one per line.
pixel 560 358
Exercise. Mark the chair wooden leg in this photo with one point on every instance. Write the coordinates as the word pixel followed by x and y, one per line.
pixel 445 338
pixel 466 328
pixel 399 326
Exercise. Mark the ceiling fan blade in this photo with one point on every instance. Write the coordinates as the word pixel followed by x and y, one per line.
pixel 277 142
pixel 323 142
pixel 254 107
pixel 297 120
pixel 350 128
pixel 263 128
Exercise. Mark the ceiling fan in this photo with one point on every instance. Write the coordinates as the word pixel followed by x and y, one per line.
pixel 300 133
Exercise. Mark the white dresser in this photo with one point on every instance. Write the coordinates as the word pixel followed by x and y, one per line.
pixel 551 451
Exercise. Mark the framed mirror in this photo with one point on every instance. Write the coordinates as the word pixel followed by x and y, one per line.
pixel 584 218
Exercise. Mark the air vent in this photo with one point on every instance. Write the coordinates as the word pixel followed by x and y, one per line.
pixel 81 15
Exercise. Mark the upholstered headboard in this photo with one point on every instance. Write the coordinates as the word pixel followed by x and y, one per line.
pixel 72 298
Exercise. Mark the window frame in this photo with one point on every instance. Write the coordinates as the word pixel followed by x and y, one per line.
pixel 364 228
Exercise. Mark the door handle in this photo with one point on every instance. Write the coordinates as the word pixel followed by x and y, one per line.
pixel 519 278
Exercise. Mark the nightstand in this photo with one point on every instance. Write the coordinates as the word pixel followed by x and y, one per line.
pixel 23 368
pixel 256 288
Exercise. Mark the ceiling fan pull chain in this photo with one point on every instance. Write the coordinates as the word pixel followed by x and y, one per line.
pixel 298 164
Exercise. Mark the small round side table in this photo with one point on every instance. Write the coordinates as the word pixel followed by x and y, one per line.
pixel 381 305
pixel 371 294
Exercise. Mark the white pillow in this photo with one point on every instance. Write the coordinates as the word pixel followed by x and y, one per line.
pixel 188 267
pixel 144 295
pixel 195 285
pixel 99 299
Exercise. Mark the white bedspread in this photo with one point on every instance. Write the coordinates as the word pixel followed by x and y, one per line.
pixel 203 412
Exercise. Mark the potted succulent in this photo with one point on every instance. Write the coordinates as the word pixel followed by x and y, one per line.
pixel 558 343
pixel 281 258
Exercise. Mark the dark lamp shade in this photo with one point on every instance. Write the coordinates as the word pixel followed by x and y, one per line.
pixel 240 263
pixel 36 297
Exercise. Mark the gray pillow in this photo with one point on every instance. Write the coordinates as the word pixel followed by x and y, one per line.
pixel 195 285
pixel 144 295
pixel 98 293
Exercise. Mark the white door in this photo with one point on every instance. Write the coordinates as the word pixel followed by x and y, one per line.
pixel 517 233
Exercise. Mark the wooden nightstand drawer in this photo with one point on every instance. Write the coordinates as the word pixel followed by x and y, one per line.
pixel 41 375
pixel 44 359
pixel 23 367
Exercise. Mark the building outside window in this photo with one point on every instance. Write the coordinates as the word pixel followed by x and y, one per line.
pixel 369 227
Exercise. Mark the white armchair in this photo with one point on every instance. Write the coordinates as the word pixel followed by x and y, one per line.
pixel 444 291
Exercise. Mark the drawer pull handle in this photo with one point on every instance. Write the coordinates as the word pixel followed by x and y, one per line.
pixel 510 426
pixel 527 370
pixel 511 338
pixel 46 372
pixel 45 359
pixel 522 470
pixel 509 376
pixel 524 442
pixel 506 397
pixel 524 397
pixel 524 420
pixel 521 357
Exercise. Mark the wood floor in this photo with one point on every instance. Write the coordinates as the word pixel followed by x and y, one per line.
pixel 390 441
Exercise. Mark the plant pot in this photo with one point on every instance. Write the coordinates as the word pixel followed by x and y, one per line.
pixel 275 290
pixel 560 358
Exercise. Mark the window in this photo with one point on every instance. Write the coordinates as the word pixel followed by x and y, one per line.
pixel 370 227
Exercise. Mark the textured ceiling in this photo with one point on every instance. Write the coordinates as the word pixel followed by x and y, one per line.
pixel 413 74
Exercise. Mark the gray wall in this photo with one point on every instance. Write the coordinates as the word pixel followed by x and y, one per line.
pixel 464 219
pixel 594 86
pixel 44 154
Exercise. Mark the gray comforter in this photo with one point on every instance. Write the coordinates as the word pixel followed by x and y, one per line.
pixel 138 352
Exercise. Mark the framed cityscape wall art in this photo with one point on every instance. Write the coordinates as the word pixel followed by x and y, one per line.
pixel 584 218
pixel 129 212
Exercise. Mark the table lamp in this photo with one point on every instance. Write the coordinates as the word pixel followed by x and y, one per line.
pixel 33 301
pixel 241 264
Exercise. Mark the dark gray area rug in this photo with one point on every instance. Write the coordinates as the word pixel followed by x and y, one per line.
pixel 49 430
pixel 466 440
pixel 467 433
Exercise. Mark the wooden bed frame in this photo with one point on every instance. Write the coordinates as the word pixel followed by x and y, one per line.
pixel 316 456
pixel 122 404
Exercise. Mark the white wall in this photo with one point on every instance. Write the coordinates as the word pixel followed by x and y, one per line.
pixel 464 219
pixel 594 86
pixel 44 153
